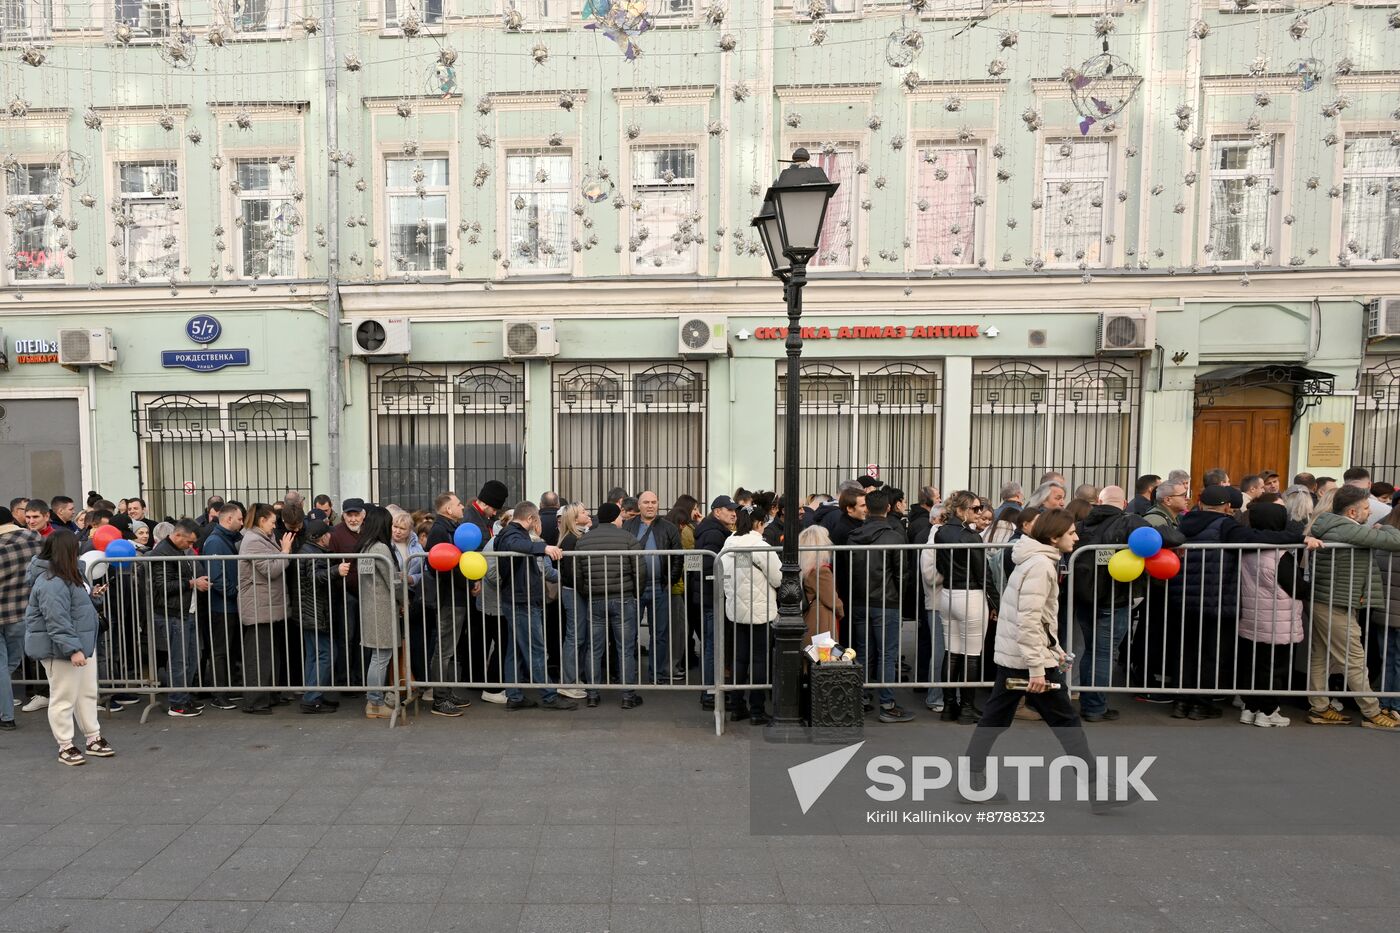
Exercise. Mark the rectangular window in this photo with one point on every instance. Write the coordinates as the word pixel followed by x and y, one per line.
pixel 1371 197
pixel 31 201
pixel 663 178
pixel 950 8
pixel 665 8
pixel 638 426
pixel 833 7
pixel 1078 418
pixel 267 220
pixel 1376 435
pixel 25 20
pixel 247 446
pixel 148 19
pixel 417 191
pixel 1241 221
pixel 837 247
pixel 150 219
pixel 857 415
pixel 261 15
pixel 945 222
pixel 429 12
pixel 1076 197
pixel 538 188
pixel 540 14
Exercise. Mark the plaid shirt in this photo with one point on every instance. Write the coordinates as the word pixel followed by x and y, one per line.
pixel 18 546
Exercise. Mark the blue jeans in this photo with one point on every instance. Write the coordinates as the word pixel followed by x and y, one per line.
pixel 612 621
pixel 575 633
pixel 1109 627
pixel 178 639
pixel 1390 672
pixel 524 649
pixel 656 606
pixel 316 662
pixel 878 628
pixel 11 653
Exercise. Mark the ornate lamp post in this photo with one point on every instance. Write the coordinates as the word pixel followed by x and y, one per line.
pixel 790 226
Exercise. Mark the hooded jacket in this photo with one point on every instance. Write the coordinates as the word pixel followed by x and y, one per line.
pixel 60 618
pixel 597 577
pixel 314 592
pixel 961 568
pixel 522 583
pixel 447 588
pixel 1348 577
pixel 223 574
pixel 169 581
pixel 262 597
pixel 1208 583
pixel 710 536
pixel 876 571
pixel 752 573
pixel 1110 525
pixel 1029 614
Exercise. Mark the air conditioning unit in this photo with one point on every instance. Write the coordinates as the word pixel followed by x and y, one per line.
pixel 1383 318
pixel 1124 331
pixel 703 336
pixel 380 336
pixel 529 340
pixel 86 346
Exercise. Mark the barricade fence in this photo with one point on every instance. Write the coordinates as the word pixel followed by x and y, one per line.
pixel 1258 621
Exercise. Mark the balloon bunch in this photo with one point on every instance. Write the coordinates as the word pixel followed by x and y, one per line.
pixel 108 539
pixel 1144 552
pixel 461 553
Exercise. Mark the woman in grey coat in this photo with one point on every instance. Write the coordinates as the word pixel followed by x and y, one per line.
pixel 262 607
pixel 379 624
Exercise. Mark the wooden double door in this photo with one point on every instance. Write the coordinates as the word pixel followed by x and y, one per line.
pixel 1241 441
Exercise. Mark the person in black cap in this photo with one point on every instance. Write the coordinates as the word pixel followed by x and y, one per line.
pixel 1204 596
pixel 482 631
pixel 869 482
pixel 314 585
pixel 710 536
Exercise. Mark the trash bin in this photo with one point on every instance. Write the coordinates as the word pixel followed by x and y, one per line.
pixel 834 700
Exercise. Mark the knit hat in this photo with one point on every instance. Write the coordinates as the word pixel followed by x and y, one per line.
pixel 6 516
pixel 608 513
pixel 493 493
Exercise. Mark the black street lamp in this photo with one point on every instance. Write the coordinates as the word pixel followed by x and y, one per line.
pixel 790 226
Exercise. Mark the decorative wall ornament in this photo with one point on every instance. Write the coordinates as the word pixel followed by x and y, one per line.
pixel 903 46
pixel 621 21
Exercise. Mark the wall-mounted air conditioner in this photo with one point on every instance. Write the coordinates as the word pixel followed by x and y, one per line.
pixel 529 340
pixel 380 336
pixel 1124 331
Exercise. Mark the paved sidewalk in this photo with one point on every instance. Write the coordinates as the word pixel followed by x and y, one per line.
pixel 583 822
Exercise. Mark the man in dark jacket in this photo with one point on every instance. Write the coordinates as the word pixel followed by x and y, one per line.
pixel 345 539
pixel 850 514
pixel 710 535
pixel 655 533
pixel 1204 596
pixel 921 516
pixel 611 586
pixel 312 597
pixel 482 631
pixel 549 517
pixel 1143 491
pixel 1103 607
pixel 877 580
pixel 447 601
pixel 522 603
pixel 18 547
pixel 225 634
pixel 173 584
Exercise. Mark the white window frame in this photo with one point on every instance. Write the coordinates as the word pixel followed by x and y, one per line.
pixel 432 14
pixel 662 12
pixel 277 16
pixel 176 207
pixel 1108 218
pixel 391 265
pixel 1259 6
pixel 1379 175
pixel 555 16
pixel 235 212
pixel 854 147
pixel 958 9
pixel 7 224
pixel 979 213
pixel 45 13
pixel 1273 233
pixel 142 14
pixel 853 10
pixel 552 186
pixel 640 188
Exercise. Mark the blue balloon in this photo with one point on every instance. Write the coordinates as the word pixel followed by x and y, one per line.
pixel 120 548
pixel 1144 542
pixel 467 537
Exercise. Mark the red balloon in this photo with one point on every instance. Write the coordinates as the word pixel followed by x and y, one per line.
pixel 1163 565
pixel 444 556
pixel 105 536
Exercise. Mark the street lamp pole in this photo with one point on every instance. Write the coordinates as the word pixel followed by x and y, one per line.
pixel 790 226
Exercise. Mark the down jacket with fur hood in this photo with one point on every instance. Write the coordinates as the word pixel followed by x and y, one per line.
pixel 752 573
pixel 1030 609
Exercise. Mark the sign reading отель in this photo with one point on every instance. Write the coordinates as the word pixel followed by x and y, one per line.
pixel 878 332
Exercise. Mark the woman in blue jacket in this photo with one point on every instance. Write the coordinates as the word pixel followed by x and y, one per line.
pixel 60 631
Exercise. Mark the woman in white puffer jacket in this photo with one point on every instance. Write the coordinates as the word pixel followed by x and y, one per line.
pixel 1026 648
pixel 752 572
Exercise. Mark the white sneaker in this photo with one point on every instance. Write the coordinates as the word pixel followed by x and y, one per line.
pixel 573 693
pixel 1247 717
pixel 494 696
pixel 1271 720
pixel 36 703
pixel 1237 702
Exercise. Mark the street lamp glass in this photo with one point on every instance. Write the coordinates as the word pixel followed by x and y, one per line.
pixel 767 224
pixel 800 197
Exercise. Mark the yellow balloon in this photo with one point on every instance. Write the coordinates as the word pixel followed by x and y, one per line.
pixel 1124 566
pixel 473 565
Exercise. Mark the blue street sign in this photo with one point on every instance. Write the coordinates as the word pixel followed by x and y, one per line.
pixel 203 329
pixel 203 361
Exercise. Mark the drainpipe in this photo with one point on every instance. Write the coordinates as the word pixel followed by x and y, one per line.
pixel 331 65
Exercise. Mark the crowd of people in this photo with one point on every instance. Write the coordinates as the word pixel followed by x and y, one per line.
pixel 244 602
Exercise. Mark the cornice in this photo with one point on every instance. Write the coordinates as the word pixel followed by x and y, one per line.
pixel 1369 81
pixel 670 94
pixel 826 92
pixel 1269 82
pixel 535 100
